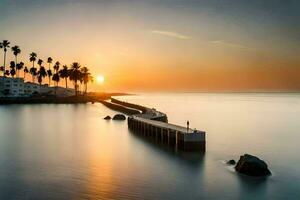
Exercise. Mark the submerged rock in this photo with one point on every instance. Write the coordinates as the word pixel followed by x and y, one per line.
pixel 107 117
pixel 252 166
pixel 119 117
pixel 231 162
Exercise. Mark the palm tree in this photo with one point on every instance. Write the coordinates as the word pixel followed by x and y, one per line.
pixel 56 79
pixel 19 66
pixel 86 77
pixel 40 62
pixel 4 44
pixel 16 50
pixel 49 61
pixel 64 74
pixel 32 58
pixel 42 71
pixel 33 72
pixel 56 67
pixel 75 75
pixel 6 73
pixel 49 72
pixel 80 81
pixel 41 74
pixel 25 72
pixel 12 68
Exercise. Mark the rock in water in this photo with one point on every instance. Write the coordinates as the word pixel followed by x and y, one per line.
pixel 230 162
pixel 119 117
pixel 107 117
pixel 252 166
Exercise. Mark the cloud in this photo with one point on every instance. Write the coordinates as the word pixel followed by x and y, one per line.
pixel 230 44
pixel 171 34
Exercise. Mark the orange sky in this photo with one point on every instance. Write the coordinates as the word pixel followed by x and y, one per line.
pixel 164 45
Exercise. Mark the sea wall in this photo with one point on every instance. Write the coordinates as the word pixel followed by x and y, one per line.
pixel 130 105
pixel 148 113
pixel 121 108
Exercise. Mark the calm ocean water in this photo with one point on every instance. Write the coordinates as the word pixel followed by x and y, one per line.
pixel 69 152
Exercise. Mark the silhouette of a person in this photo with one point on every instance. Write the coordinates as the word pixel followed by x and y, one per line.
pixel 187 127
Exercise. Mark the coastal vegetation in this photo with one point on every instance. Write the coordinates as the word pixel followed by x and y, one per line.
pixel 79 75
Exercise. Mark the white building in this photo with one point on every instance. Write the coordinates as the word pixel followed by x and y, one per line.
pixel 16 87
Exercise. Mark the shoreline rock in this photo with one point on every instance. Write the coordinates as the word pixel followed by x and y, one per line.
pixel 107 117
pixel 252 166
pixel 231 162
pixel 119 117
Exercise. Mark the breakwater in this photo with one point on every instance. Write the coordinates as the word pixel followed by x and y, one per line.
pixel 121 108
pixel 151 123
pixel 147 113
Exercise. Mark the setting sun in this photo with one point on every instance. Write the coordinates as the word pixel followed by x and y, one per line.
pixel 100 79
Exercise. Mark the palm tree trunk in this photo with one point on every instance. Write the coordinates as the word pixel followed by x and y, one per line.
pixel 16 66
pixel 66 82
pixel 76 88
pixel 4 62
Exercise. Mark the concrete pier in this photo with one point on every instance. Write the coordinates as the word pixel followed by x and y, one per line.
pixel 153 124
pixel 169 134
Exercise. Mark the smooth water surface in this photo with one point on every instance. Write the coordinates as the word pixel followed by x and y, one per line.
pixel 70 152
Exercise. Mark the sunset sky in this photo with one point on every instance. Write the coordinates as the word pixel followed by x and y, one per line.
pixel 164 45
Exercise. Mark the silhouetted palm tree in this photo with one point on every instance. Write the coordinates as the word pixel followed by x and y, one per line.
pixel 64 74
pixel 16 50
pixel 86 77
pixel 49 61
pixel 4 45
pixel 56 79
pixel 12 68
pixel 25 72
pixel 6 73
pixel 56 67
pixel 40 62
pixel 80 81
pixel 49 72
pixel 41 74
pixel 33 72
pixel 19 66
pixel 75 75
pixel 32 58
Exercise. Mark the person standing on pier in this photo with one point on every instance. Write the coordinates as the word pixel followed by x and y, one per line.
pixel 187 126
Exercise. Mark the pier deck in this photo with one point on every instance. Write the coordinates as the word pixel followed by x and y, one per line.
pixel 154 124
pixel 166 125
pixel 177 136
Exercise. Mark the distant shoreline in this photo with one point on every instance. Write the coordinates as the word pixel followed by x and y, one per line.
pixel 216 92
pixel 79 99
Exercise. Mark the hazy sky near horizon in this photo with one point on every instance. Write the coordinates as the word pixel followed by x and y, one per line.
pixel 186 45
